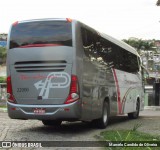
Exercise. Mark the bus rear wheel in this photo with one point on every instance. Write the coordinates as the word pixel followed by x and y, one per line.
pixel 135 115
pixel 52 122
pixel 103 121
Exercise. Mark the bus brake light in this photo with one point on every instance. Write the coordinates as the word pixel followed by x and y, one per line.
pixel 74 90
pixel 15 23
pixel 69 19
pixel 10 96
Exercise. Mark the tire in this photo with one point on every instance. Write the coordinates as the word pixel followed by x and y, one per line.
pixel 52 122
pixel 135 115
pixel 103 121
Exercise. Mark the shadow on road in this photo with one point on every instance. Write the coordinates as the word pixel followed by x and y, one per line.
pixel 76 127
pixel 65 128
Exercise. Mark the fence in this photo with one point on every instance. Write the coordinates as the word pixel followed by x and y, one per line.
pixel 3 91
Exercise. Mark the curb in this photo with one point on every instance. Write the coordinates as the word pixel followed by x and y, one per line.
pixel 154 108
pixel 3 109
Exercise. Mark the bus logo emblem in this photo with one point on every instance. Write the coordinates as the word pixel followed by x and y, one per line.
pixel 50 83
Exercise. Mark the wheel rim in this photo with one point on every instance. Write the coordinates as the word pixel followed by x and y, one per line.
pixel 105 115
pixel 137 109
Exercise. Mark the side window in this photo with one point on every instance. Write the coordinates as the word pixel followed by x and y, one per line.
pixel 108 52
pixel 123 60
pixel 87 38
pixel 100 50
pixel 86 42
pixel 134 67
pixel 129 62
pixel 90 43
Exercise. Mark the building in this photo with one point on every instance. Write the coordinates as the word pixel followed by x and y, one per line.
pixel 3 39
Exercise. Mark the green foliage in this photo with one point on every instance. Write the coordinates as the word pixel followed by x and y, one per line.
pixel 140 44
pixel 136 126
pixel 3 54
pixel 158 3
pixel 127 138
pixel 128 135
pixel 2 79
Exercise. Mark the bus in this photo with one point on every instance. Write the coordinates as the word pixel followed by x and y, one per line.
pixel 63 70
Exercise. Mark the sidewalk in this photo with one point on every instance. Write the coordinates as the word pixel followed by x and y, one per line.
pixel 2 102
pixel 3 105
pixel 3 71
pixel 156 108
pixel 151 111
pixel 3 109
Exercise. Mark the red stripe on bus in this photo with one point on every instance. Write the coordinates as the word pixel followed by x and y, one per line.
pixel 118 91
pixel 124 99
pixel 39 45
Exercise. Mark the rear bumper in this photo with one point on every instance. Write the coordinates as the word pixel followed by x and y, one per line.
pixel 52 112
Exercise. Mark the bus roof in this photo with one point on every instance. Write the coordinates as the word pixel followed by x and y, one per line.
pixel 111 39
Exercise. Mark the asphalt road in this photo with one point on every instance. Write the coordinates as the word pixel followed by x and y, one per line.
pixel 34 130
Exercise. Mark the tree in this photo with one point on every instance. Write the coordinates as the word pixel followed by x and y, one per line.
pixel 3 54
pixel 158 3
pixel 140 44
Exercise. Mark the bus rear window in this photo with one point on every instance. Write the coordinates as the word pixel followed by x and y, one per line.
pixel 41 32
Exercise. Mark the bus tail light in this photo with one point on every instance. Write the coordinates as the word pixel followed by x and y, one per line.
pixel 15 23
pixel 69 19
pixel 10 96
pixel 74 90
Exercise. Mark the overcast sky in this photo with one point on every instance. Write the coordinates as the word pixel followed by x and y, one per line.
pixel 118 18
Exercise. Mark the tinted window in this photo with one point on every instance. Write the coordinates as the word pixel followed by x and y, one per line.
pixel 134 67
pixel 109 53
pixel 89 39
pixel 105 52
pixel 97 49
pixel 129 61
pixel 41 32
pixel 118 57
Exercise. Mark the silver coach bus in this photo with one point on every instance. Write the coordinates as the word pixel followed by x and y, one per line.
pixel 63 70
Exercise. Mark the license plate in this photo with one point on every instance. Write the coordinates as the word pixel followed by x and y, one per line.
pixel 39 110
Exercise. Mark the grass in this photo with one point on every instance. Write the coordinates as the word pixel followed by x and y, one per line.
pixel 129 136
pixel 2 79
pixel 3 106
